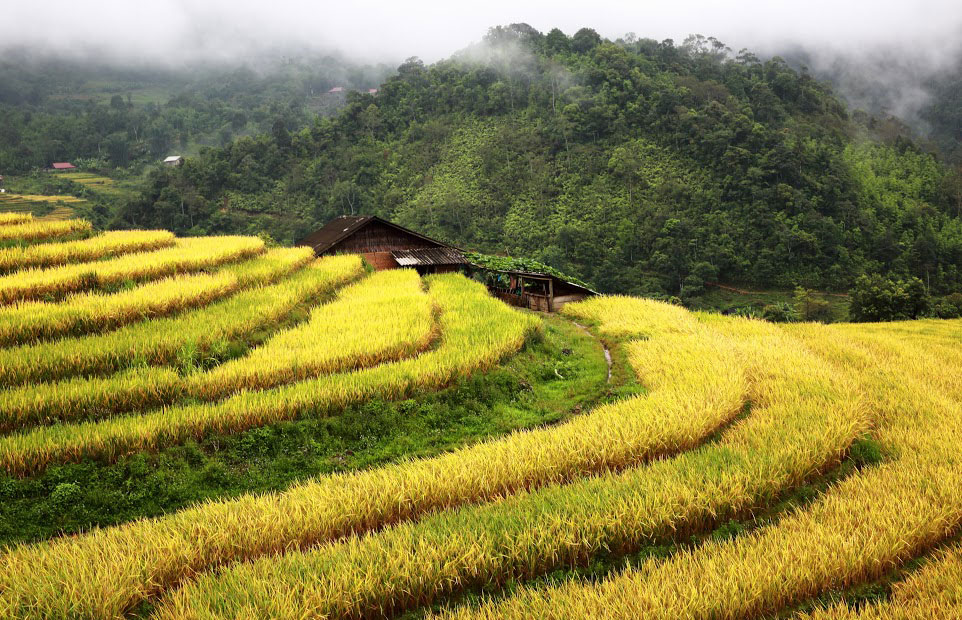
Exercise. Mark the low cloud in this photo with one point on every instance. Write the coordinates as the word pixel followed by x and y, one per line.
pixel 883 44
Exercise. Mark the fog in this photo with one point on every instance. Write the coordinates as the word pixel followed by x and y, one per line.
pixel 175 30
pixel 895 45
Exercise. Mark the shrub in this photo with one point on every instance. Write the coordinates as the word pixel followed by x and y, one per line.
pixel 948 307
pixel 810 308
pixel 779 312
pixel 876 298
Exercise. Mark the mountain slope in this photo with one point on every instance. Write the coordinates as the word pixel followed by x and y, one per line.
pixel 639 166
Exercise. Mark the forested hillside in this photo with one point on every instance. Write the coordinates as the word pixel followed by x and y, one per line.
pixel 639 166
pixel 121 116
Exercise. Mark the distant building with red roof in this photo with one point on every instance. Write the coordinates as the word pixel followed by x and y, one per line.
pixel 63 165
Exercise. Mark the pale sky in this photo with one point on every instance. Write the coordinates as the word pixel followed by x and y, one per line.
pixel 391 31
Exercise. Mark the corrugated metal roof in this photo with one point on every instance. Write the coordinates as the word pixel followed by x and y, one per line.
pixel 428 256
pixel 62 165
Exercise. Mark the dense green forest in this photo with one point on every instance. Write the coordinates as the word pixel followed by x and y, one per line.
pixel 109 117
pixel 639 166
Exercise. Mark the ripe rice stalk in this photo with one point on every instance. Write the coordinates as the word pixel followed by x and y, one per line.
pixel 158 553
pixel 803 420
pixel 329 341
pixel 186 255
pixel 83 313
pixel 858 531
pixel 934 591
pixel 112 243
pixel 336 338
pixel 468 349
pixel 159 341
pixel 37 231
pixel 84 398
pixel 14 218
pixel 43 231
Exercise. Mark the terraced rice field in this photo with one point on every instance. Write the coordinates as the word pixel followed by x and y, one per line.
pixel 62 206
pixel 95 182
pixel 765 470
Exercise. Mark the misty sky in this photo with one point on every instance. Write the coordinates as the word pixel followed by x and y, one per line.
pixel 177 30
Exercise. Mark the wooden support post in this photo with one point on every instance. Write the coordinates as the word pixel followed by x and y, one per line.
pixel 550 294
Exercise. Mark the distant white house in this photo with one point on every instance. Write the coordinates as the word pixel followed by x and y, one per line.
pixel 174 160
pixel 336 89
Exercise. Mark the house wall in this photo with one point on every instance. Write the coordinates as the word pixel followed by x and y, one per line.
pixel 528 300
pixel 534 301
pixel 380 260
pixel 561 300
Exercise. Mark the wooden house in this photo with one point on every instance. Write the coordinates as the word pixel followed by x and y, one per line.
pixel 62 165
pixel 174 160
pixel 384 245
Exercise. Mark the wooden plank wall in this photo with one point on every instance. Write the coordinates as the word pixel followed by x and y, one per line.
pixel 375 237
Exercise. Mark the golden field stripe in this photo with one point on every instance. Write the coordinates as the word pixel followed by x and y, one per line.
pixel 93 398
pixel 96 397
pixel 467 351
pixel 858 531
pixel 156 553
pixel 36 231
pixel 386 317
pixel 148 555
pixel 15 218
pixel 802 421
pixel 186 255
pixel 934 591
pixel 161 340
pixel 409 328
pixel 112 243
pixel 89 312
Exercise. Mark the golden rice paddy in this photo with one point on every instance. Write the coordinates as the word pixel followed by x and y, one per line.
pixel 737 415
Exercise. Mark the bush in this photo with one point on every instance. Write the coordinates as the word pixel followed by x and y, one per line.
pixel 63 497
pixel 876 298
pixel 781 312
pixel 692 286
pixel 948 307
pixel 748 312
pixel 810 308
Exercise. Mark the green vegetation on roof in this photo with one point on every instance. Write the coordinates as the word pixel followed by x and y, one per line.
pixel 508 263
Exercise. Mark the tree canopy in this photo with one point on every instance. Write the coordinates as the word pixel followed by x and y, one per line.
pixel 638 165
